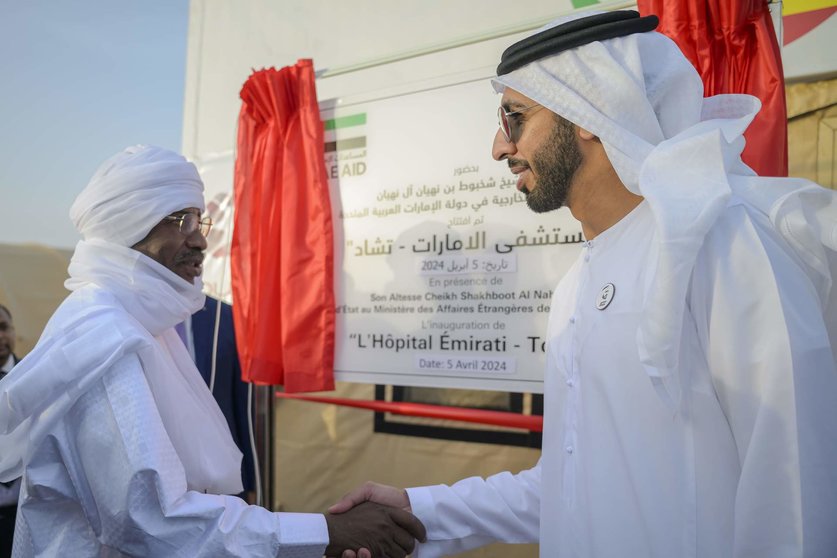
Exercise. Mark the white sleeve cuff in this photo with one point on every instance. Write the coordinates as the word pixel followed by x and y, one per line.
pixel 423 506
pixel 305 531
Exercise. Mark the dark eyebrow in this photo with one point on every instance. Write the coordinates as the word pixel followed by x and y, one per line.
pixel 511 106
pixel 184 212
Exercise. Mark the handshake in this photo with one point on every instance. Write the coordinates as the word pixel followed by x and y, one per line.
pixel 373 521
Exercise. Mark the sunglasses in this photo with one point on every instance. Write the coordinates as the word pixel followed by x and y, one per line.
pixel 190 222
pixel 511 126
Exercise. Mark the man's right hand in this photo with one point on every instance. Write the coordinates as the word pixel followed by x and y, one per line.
pixel 373 492
pixel 378 530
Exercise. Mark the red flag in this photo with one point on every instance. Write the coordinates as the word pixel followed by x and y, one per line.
pixel 282 250
pixel 734 48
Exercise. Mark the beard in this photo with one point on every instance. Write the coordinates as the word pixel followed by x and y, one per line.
pixel 554 164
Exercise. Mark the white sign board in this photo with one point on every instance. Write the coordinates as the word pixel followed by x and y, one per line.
pixel 444 276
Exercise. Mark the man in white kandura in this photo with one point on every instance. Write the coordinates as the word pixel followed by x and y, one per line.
pixel 690 388
pixel 122 449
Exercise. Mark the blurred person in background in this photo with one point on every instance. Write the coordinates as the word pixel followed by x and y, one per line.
pixel 9 491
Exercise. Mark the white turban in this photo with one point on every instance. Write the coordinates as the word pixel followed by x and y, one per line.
pixel 132 191
pixel 681 152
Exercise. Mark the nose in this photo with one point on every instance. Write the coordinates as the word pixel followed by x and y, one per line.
pixel 501 149
pixel 196 240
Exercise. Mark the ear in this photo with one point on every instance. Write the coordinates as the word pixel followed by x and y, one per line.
pixel 585 134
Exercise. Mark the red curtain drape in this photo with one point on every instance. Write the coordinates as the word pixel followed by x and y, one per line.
pixel 734 48
pixel 282 251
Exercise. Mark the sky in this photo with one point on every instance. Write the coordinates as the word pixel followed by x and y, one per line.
pixel 79 81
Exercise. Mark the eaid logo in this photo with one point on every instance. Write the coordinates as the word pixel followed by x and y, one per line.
pixel 345 146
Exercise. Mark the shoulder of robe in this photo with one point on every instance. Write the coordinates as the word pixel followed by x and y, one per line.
pixel 92 316
pixel 744 240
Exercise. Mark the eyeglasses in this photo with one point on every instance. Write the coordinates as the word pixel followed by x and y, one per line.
pixel 510 126
pixel 190 222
